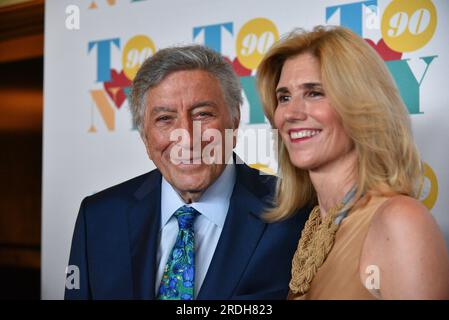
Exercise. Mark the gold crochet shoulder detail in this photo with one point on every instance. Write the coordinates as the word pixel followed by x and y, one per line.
pixel 316 242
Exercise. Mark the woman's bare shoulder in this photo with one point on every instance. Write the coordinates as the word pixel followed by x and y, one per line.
pixel 406 243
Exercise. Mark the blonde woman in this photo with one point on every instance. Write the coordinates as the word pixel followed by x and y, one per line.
pixel 347 148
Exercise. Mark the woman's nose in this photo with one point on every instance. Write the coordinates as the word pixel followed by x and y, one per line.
pixel 295 110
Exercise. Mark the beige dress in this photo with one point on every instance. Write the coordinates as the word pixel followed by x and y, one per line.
pixel 339 276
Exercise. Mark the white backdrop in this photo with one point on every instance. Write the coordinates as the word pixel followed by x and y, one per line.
pixel 89 142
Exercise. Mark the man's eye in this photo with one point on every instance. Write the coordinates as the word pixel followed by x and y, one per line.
pixel 203 114
pixel 163 118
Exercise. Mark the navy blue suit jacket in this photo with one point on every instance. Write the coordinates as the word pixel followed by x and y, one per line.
pixel 115 243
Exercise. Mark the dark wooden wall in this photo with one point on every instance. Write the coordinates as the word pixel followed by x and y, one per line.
pixel 21 107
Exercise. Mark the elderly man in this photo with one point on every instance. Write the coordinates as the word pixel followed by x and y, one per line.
pixel 193 227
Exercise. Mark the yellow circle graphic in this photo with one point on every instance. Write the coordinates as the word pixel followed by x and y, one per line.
pixel 253 41
pixel 136 50
pixel 263 167
pixel 408 25
pixel 429 193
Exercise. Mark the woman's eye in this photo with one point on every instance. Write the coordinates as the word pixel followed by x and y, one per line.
pixel 314 94
pixel 283 98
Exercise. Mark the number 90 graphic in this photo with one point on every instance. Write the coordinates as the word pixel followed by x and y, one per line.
pixel 253 41
pixel 136 51
pixel 429 193
pixel 408 25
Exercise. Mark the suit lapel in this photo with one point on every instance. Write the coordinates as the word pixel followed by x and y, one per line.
pixel 238 241
pixel 144 224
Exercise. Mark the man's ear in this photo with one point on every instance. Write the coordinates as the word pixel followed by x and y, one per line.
pixel 236 119
pixel 143 134
pixel 145 142
pixel 236 123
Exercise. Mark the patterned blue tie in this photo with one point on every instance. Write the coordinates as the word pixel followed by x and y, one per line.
pixel 179 274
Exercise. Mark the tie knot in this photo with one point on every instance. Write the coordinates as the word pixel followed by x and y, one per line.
pixel 186 217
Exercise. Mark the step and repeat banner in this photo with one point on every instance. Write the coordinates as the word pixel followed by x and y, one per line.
pixel 93 50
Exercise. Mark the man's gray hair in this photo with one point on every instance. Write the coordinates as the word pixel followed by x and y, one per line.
pixel 191 57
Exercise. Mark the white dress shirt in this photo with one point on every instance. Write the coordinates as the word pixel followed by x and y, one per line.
pixel 213 207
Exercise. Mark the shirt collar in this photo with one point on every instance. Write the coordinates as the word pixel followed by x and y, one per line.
pixel 213 204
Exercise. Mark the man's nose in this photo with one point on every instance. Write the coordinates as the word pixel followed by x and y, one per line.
pixel 191 132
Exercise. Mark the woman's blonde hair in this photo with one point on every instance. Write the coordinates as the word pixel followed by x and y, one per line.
pixel 364 95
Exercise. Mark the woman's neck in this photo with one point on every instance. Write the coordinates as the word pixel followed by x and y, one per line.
pixel 334 180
